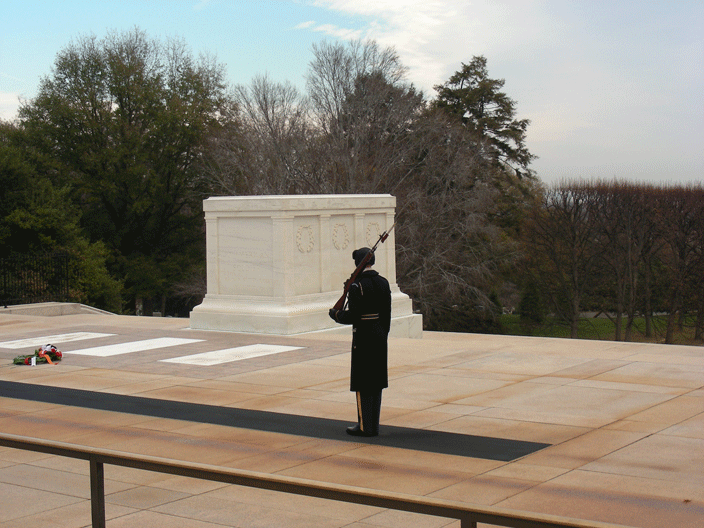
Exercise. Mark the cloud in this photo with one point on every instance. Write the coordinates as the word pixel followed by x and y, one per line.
pixel 9 104
pixel 407 26
pixel 202 4
pixel 305 25
pixel 434 37
pixel 4 77
pixel 338 32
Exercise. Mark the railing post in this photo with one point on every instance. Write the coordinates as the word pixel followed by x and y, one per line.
pixel 4 270
pixel 97 493
pixel 467 522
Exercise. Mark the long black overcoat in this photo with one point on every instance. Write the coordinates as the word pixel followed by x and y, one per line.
pixel 369 313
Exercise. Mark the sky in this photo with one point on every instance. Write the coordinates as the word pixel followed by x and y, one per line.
pixel 612 88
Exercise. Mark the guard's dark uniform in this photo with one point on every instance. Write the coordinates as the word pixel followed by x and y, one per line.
pixel 369 313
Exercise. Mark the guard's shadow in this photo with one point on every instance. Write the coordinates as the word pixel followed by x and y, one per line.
pixel 402 437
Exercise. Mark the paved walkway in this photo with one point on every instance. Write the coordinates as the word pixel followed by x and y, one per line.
pixel 613 431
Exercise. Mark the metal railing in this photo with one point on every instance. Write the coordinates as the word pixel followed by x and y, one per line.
pixel 26 279
pixel 468 515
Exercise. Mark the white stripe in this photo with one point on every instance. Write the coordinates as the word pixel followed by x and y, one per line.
pixel 229 355
pixel 52 339
pixel 133 346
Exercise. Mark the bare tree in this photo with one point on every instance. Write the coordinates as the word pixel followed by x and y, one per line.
pixel 623 248
pixel 449 251
pixel 275 119
pixel 697 276
pixel 560 237
pixel 374 139
pixel 624 227
pixel 680 212
pixel 610 221
pixel 335 69
pixel 365 115
pixel 265 150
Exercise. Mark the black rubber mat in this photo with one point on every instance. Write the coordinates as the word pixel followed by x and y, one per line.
pixel 402 437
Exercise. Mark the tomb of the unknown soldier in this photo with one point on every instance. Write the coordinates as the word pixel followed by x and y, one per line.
pixel 276 264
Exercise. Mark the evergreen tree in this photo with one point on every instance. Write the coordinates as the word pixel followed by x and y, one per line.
pixel 485 110
pixel 40 219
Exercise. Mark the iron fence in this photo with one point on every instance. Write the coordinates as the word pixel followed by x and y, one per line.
pixel 26 279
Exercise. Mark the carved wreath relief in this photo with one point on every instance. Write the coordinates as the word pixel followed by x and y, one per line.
pixel 373 233
pixel 340 236
pixel 304 239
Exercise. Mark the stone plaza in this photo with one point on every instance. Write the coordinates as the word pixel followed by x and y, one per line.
pixel 613 432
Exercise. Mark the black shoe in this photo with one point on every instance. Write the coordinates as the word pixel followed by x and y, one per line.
pixel 356 431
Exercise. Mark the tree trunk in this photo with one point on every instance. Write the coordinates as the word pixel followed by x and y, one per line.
pixel 672 319
pixel 699 325
pixel 574 318
pixel 648 309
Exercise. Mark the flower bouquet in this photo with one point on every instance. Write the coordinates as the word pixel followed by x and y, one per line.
pixel 44 354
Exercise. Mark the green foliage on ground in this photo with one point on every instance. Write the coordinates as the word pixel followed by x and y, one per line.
pixel 596 328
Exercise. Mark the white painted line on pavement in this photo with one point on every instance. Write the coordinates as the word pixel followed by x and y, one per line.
pixel 51 340
pixel 131 347
pixel 229 355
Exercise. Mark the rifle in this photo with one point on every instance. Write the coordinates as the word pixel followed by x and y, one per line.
pixel 359 269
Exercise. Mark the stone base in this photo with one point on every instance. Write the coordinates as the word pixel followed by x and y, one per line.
pixel 256 315
pixel 410 326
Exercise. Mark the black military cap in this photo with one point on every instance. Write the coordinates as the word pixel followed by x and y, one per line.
pixel 359 254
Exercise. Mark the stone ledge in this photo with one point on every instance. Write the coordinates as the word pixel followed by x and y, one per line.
pixel 52 309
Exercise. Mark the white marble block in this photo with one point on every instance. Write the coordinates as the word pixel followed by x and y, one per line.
pixel 277 264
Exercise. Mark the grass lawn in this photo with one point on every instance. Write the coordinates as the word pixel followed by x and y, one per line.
pixel 597 328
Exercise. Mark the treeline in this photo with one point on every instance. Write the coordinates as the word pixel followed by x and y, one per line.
pixel 621 249
pixel 457 164
pixel 112 159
